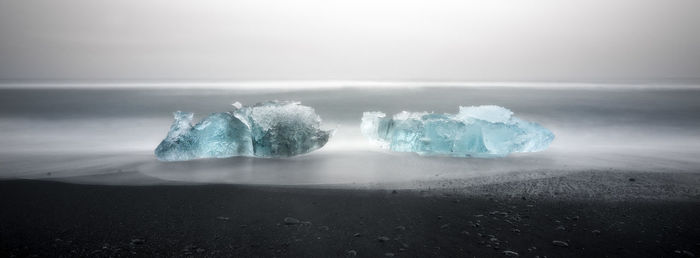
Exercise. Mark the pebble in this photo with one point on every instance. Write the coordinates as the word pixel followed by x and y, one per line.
pixel 560 243
pixel 400 227
pixel 595 231
pixel 502 213
pixel 389 254
pixel 222 218
pixel 357 235
pixel 188 248
pixel 291 221
pixel 685 252
pixel 444 226
pixel 351 253
pixel 383 239
pixel 510 253
pixel 137 241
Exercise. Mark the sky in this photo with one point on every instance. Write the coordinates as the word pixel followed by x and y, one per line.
pixel 377 40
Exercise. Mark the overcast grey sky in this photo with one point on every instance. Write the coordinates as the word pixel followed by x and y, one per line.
pixel 489 40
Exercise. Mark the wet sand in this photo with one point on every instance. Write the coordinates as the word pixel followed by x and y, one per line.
pixel 53 219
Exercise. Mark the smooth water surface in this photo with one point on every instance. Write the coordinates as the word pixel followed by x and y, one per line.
pixel 108 135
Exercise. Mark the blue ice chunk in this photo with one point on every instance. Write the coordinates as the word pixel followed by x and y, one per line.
pixel 481 131
pixel 269 129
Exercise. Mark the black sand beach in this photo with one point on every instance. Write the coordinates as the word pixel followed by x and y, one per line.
pixel 52 219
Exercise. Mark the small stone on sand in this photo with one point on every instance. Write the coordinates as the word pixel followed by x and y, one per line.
pixel 560 243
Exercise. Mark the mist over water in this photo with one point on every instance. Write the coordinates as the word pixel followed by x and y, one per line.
pixel 107 136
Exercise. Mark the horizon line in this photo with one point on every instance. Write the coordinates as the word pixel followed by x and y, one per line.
pixel 335 84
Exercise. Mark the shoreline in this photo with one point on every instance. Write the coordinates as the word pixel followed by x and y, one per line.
pixel 584 185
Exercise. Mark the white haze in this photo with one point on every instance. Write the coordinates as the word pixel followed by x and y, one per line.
pixel 404 40
pixel 108 136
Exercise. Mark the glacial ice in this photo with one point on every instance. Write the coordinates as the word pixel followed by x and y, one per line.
pixel 268 129
pixel 476 131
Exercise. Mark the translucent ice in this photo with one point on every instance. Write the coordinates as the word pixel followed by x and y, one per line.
pixel 269 129
pixel 483 131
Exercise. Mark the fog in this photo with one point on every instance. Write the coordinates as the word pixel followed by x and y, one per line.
pixel 108 136
pixel 541 40
pixel 150 58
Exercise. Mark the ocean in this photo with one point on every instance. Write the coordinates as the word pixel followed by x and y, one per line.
pixel 107 135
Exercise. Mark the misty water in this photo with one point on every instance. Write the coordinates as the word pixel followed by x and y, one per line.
pixel 107 136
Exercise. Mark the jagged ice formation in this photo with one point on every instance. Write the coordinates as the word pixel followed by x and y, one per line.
pixel 482 131
pixel 268 129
